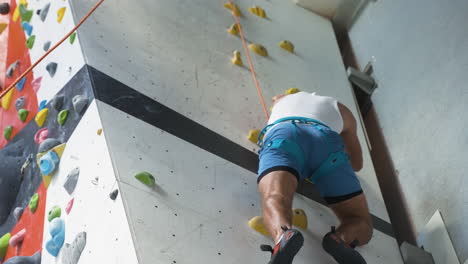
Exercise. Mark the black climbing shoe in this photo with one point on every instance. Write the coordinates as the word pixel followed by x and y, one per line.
pixel 287 248
pixel 342 253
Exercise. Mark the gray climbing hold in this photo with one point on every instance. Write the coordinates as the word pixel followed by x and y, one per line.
pixel 4 8
pixel 46 46
pixel 17 213
pixel 57 102
pixel 79 103
pixel 72 180
pixel 44 12
pixel 51 68
pixel 12 68
pixel 113 195
pixel 48 144
pixel 34 259
pixel 71 253
pixel 20 102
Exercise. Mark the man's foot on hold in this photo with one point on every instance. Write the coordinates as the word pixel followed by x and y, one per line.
pixel 284 252
pixel 342 253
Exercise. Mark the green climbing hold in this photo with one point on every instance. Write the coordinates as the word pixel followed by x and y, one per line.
pixel 54 213
pixel 4 241
pixel 33 203
pixel 30 41
pixel 23 114
pixel 7 132
pixel 146 178
pixel 72 38
pixel 25 14
pixel 62 117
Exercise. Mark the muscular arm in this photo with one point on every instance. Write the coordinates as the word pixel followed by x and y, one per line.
pixel 350 139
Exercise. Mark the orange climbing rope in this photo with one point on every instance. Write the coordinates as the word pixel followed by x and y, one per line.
pixel 51 49
pixel 252 70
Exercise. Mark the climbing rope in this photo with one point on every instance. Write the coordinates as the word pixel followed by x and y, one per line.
pixel 252 70
pixel 51 49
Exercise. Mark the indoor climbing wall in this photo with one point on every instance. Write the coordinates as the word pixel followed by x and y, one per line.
pixel 59 201
pixel 177 102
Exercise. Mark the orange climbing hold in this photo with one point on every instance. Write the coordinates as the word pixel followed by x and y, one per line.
pixel 60 14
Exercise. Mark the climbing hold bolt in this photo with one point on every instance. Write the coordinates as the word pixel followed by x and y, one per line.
pixel 259 49
pixel 60 14
pixel 79 103
pixel 54 213
pixel 33 203
pixel 7 132
pixel 46 46
pixel 256 10
pixel 20 84
pixel 72 180
pixel 4 8
pixel 234 8
pixel 48 162
pixel 51 69
pixel 287 45
pixel 113 194
pixel 62 117
pixel 236 59
pixel 253 135
pixel 292 91
pixel 6 100
pixel 72 38
pixel 44 12
pixel 234 29
pixel 27 28
pixel 41 117
pixel 146 178
pixel 23 114
pixel 16 239
pixel 4 240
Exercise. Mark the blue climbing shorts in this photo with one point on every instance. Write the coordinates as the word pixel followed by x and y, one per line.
pixel 310 151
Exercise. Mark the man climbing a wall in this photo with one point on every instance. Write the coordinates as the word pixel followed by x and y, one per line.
pixel 312 137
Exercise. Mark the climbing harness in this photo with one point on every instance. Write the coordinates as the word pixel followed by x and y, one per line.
pixel 332 162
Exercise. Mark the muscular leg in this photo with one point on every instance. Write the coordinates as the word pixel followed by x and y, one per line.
pixel 356 222
pixel 277 190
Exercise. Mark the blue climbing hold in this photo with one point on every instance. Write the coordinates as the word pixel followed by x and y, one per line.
pixel 28 28
pixel 48 163
pixel 42 105
pixel 20 84
pixel 57 231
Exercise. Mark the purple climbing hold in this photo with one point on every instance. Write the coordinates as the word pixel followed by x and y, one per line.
pixel 51 68
pixel 20 102
pixel 4 8
pixel 12 68
pixel 44 12
pixel 113 195
pixel 57 232
pixel 27 28
pixel 79 103
pixel 46 46
pixel 20 84
pixel 34 259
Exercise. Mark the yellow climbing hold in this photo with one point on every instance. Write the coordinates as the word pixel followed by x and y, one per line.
pixel 287 45
pixel 257 224
pixel 253 135
pixel 256 10
pixel 237 58
pixel 6 100
pixel 41 117
pixel 234 8
pixel 259 49
pixel 234 29
pixel 3 26
pixel 57 149
pixel 99 132
pixel 299 218
pixel 16 13
pixel 292 91
pixel 60 14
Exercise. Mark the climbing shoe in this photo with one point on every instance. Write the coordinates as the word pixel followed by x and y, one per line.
pixel 287 247
pixel 342 253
